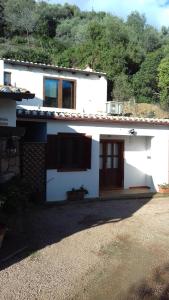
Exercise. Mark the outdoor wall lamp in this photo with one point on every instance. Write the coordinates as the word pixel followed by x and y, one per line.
pixel 132 131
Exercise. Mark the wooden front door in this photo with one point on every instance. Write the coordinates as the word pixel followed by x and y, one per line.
pixel 111 164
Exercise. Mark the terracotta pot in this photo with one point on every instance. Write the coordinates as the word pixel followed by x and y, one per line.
pixel 163 190
pixel 75 195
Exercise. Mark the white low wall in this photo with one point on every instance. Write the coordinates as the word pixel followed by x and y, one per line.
pixel 145 158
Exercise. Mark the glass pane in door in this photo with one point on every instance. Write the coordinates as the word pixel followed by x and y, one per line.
pixel 115 149
pixel 108 163
pixel 109 149
pixel 115 162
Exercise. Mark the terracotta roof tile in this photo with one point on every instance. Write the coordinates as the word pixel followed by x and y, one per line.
pixel 64 116
pixel 15 93
pixel 12 89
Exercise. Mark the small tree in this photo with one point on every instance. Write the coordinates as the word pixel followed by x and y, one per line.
pixel 163 83
pixel 136 21
pixel 122 90
pixel 21 16
pixel 2 18
pixel 145 81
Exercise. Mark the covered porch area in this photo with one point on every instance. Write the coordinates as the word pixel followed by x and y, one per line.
pixel 126 167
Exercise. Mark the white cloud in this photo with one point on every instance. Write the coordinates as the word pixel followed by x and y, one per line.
pixel 156 11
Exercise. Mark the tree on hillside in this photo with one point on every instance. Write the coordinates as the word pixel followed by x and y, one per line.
pixel 145 81
pixel 164 30
pixel 122 90
pixel 20 16
pixel 115 31
pixel 2 18
pixel 137 22
pixel 135 48
pixel 163 75
pixel 151 39
pixel 52 15
pixel 47 22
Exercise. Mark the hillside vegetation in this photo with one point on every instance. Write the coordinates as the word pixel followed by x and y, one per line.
pixel 134 54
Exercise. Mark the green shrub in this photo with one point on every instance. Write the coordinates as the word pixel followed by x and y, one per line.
pixel 19 40
pixel 2 40
pixel 14 196
pixel 38 56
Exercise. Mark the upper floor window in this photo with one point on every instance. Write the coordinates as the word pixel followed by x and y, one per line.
pixel 59 93
pixel 7 78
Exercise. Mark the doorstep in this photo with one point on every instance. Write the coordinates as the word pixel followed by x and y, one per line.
pixel 117 194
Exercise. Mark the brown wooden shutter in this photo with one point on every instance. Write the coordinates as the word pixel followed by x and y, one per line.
pixel 87 140
pixel 52 152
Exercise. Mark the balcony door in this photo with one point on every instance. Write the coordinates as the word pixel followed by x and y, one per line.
pixel 111 164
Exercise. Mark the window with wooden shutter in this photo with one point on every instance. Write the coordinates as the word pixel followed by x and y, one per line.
pixel 69 152
pixel 87 152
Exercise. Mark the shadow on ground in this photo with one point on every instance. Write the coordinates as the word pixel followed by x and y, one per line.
pixel 154 288
pixel 45 226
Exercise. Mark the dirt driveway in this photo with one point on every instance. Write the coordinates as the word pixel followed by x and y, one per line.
pixel 99 250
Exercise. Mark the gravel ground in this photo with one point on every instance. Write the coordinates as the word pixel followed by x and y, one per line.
pixel 99 250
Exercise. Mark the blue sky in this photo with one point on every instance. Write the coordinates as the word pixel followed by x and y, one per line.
pixel 156 11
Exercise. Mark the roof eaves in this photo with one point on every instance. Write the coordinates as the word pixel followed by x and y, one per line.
pixel 16 96
pixel 60 116
pixel 15 93
pixel 52 67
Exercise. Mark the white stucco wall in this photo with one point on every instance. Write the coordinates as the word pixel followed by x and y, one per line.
pixel 7 112
pixel 7 106
pixel 91 91
pixel 145 158
pixel 58 183
pixel 160 160
pixel 135 164
pixel 1 72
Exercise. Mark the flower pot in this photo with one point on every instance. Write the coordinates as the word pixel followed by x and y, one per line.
pixel 2 233
pixel 163 190
pixel 75 195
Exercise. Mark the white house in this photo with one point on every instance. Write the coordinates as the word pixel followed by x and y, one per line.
pixel 71 142
pixel 58 88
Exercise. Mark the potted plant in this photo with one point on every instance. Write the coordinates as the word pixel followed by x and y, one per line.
pixel 163 188
pixel 77 194
pixel 3 230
